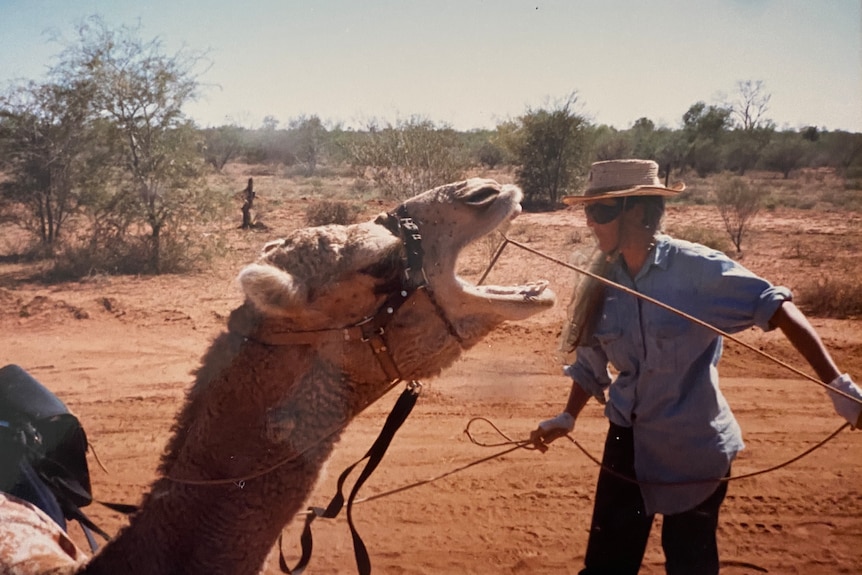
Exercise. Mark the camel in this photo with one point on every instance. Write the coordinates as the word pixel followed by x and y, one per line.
pixel 333 317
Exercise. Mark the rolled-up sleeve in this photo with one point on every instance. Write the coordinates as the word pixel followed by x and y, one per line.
pixel 590 371
pixel 738 298
pixel 770 300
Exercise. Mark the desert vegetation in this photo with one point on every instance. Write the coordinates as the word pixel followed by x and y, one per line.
pixel 101 171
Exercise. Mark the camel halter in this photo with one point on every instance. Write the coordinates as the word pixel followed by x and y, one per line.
pixel 372 329
pixel 402 225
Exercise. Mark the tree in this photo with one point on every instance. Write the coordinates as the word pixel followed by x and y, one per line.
pixel 737 203
pixel 844 149
pixel 490 155
pixel 786 153
pixel 751 104
pixel 221 145
pixel 644 139
pixel 671 147
pixel 140 92
pixel 47 146
pixel 611 144
pixel 551 151
pixel 309 141
pixel 706 122
pixel 744 148
pixel 704 127
pixel 753 130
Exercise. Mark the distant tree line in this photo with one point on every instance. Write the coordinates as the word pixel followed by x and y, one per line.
pixel 100 163
pixel 548 147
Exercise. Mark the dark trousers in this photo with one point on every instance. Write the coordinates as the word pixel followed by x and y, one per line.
pixel 620 527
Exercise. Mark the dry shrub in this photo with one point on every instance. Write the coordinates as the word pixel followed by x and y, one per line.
pixel 836 297
pixel 325 212
pixel 182 250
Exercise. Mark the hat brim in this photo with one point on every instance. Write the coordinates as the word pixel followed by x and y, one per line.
pixel 633 191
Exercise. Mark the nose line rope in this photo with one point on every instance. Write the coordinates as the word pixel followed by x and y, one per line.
pixel 514 445
pixel 680 313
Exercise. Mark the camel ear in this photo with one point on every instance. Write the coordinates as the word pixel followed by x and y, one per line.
pixel 478 191
pixel 271 290
pixel 269 246
pixel 388 221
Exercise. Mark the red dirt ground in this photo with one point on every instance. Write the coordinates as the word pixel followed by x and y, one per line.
pixel 119 352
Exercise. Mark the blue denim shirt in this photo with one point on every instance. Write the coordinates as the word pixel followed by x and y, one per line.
pixel 667 384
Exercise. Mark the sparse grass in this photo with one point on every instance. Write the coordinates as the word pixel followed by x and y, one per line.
pixel 700 235
pixel 837 297
pixel 844 199
pixel 800 250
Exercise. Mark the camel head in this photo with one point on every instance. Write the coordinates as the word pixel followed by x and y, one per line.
pixel 333 276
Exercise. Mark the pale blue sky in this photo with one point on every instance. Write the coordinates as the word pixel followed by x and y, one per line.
pixel 474 63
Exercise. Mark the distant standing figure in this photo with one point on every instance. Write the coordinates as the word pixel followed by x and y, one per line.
pixel 247 204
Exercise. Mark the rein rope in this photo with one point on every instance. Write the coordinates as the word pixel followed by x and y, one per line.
pixel 523 443
pixel 372 330
pixel 673 310
pixel 511 445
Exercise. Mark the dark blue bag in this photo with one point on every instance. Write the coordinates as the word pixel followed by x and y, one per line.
pixel 43 448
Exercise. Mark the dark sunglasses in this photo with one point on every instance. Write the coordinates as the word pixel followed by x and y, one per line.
pixel 603 213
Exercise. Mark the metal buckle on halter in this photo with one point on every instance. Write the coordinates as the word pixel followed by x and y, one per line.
pixel 414 387
pixel 410 226
pixel 372 335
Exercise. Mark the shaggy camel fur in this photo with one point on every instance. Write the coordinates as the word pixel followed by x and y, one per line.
pixel 268 405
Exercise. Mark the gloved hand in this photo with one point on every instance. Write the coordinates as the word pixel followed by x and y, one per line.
pixel 551 429
pixel 844 406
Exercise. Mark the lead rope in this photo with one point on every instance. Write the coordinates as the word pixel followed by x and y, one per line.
pixel 521 443
pixel 394 421
pixel 682 314
pixel 511 445
pixel 403 407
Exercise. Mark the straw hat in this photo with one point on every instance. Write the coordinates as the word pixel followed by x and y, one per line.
pixel 621 178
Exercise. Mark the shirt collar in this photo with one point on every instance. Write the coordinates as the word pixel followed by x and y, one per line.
pixel 659 257
pixel 661 252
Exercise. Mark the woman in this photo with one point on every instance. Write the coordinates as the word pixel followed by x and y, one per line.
pixel 672 435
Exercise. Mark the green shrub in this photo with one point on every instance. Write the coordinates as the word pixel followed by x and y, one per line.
pixel 408 158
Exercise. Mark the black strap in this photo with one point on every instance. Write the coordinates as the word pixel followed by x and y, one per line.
pixel 374 455
pixel 414 272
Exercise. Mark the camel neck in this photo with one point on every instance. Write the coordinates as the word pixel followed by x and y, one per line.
pixel 226 526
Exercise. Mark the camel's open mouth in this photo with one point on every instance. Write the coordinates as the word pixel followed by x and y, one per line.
pixel 479 207
pixel 534 292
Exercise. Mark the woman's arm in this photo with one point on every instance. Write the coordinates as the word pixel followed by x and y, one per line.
pixel 799 331
pixel 578 398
